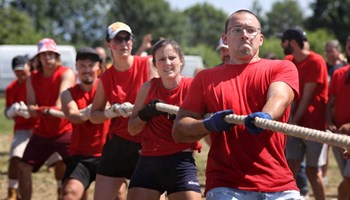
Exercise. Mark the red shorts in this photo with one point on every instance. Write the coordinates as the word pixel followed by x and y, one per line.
pixel 39 149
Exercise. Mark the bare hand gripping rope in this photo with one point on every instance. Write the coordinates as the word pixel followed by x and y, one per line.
pixel 328 137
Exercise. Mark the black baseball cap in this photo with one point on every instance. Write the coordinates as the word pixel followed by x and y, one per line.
pixel 88 53
pixel 295 33
pixel 18 63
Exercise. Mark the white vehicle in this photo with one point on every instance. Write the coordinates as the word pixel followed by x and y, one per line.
pixel 192 64
pixel 8 52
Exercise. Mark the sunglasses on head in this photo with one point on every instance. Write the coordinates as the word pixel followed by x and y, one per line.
pixel 119 39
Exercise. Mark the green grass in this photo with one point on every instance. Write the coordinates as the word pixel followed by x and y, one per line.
pixel 6 125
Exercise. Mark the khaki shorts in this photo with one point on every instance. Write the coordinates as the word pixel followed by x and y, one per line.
pixel 343 164
pixel 19 142
pixel 298 149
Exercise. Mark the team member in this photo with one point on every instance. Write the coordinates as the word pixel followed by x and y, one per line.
pixel 16 98
pixel 158 169
pixel 244 162
pixel 87 138
pixel 51 134
pixel 338 118
pixel 309 109
pixel 119 85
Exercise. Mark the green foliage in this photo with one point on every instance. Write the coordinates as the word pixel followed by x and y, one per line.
pixel 17 28
pixel 6 125
pixel 205 24
pixel 318 39
pixel 284 14
pixel 332 15
pixel 272 46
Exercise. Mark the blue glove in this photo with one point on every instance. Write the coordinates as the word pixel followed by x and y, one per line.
pixel 216 122
pixel 249 121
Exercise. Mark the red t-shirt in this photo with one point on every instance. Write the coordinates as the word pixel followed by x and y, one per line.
pixel 87 138
pixel 313 69
pixel 340 88
pixel 120 87
pixel 156 136
pixel 16 92
pixel 238 159
pixel 47 90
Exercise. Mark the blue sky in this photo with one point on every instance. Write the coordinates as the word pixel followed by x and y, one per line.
pixel 229 6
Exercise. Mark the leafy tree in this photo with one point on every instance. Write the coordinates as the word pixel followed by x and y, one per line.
pixel 145 17
pixel 16 29
pixel 205 24
pixel 284 14
pixel 332 15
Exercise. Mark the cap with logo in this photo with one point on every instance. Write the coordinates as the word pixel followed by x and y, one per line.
pixel 115 28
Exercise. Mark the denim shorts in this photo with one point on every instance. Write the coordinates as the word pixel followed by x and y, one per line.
pixel 224 193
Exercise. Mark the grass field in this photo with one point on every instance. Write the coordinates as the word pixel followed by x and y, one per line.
pixel 44 185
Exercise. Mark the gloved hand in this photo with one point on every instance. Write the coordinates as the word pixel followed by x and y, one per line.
pixel 123 109
pixel 249 121
pixel 216 122
pixel 85 112
pixel 149 111
pixel 12 111
pixel 112 111
pixel 23 110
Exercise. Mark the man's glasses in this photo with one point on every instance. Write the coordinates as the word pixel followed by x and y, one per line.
pixel 250 30
pixel 119 39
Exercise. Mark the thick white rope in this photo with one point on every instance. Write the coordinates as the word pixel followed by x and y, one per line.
pixel 327 137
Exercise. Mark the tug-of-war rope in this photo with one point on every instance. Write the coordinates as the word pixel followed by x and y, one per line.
pixel 327 137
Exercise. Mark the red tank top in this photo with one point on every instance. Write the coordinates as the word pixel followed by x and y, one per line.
pixel 120 87
pixel 46 93
pixel 87 138
pixel 156 136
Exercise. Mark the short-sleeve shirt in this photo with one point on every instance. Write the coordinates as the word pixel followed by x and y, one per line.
pixel 238 159
pixel 17 92
pixel 87 138
pixel 340 88
pixel 123 86
pixel 47 90
pixel 156 136
pixel 313 69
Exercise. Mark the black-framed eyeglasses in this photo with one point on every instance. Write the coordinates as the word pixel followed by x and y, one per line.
pixel 119 39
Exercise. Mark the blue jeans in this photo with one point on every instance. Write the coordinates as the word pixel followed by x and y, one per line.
pixel 224 193
pixel 301 179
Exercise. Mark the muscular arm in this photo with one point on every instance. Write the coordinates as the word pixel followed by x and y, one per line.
pixel 188 127
pixel 68 80
pixel 31 101
pixel 308 93
pixel 135 124
pixel 280 95
pixel 97 115
pixel 70 108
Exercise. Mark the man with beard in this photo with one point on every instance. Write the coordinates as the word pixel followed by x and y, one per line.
pixel 309 110
pixel 87 138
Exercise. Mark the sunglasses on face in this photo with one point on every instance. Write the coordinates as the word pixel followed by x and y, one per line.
pixel 120 39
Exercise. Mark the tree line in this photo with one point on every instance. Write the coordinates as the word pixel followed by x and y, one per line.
pixel 197 28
